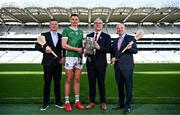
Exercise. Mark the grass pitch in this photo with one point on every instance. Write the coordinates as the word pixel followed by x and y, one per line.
pixel 153 83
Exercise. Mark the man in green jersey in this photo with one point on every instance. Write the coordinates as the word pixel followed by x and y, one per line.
pixel 72 38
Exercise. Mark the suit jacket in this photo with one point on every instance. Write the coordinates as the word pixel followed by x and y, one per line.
pixel 99 58
pixel 48 58
pixel 125 60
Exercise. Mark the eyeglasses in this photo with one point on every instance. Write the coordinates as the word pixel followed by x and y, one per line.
pixel 98 23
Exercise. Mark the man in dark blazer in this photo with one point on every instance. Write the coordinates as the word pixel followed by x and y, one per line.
pixel 51 65
pixel 124 66
pixel 97 63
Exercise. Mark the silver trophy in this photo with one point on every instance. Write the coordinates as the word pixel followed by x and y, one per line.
pixel 89 45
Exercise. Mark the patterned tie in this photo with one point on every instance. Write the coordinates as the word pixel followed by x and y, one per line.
pixel 96 36
pixel 119 42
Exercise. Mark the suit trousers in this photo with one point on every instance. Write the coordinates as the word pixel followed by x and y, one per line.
pixel 124 80
pixel 96 73
pixel 52 71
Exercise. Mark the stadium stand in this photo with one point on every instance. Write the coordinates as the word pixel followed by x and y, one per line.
pixel 160 44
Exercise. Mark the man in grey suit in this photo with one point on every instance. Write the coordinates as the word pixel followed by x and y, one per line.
pixel 124 66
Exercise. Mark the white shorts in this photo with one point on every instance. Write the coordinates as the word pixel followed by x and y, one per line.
pixel 73 62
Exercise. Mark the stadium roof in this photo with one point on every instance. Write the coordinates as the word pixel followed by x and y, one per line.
pixel 87 15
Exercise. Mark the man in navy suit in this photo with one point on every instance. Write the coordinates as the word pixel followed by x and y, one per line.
pixel 97 63
pixel 51 65
pixel 124 66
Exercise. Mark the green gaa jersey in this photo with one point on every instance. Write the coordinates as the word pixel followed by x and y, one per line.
pixel 74 38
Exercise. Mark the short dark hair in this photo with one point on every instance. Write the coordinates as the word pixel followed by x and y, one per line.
pixel 53 20
pixel 74 15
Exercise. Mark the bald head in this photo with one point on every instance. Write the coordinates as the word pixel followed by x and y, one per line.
pixel 98 20
pixel 98 24
pixel 120 28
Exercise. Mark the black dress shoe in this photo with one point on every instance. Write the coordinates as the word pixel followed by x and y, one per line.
pixel 117 107
pixel 127 110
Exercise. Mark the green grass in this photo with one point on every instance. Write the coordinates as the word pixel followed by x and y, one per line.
pixel 153 83
pixel 138 109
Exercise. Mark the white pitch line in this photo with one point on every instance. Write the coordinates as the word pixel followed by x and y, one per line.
pixel 158 72
pixel 41 72
pixel 28 72
pixel 87 97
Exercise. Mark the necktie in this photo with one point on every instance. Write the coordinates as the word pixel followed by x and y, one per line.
pixel 95 39
pixel 96 36
pixel 119 42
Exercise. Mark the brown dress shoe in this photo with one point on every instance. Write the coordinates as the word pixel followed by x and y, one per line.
pixel 90 105
pixel 103 106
